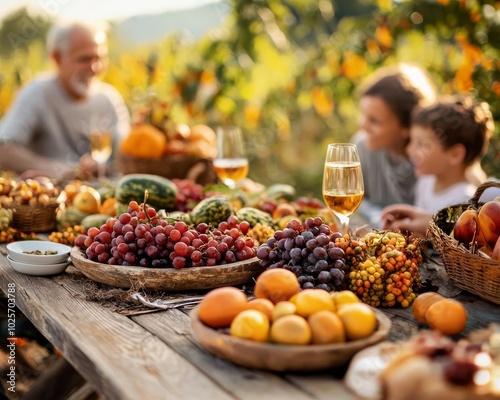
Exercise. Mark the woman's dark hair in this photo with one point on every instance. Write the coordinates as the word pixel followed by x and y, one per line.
pixel 402 88
pixel 459 120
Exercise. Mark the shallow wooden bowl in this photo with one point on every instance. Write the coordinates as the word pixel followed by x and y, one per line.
pixel 280 357
pixel 171 279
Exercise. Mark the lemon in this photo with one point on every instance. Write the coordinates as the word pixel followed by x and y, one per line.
pixel 290 329
pixel 326 327
pixel 310 301
pixel 250 325
pixel 359 320
pixel 344 297
pixel 283 308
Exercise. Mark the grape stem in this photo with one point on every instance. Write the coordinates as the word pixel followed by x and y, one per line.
pixel 146 195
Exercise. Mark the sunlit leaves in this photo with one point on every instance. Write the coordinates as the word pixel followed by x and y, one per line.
pixel 353 66
pixel 322 101
pixel 385 4
pixel 383 36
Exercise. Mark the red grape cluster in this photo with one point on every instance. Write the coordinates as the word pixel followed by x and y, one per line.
pixel 189 193
pixel 308 250
pixel 140 237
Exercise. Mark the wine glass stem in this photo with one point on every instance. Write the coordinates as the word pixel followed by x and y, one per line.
pixel 101 170
pixel 344 220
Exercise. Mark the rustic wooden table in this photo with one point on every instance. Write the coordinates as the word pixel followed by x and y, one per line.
pixel 154 356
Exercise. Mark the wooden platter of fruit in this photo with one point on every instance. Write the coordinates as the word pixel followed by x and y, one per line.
pixel 169 279
pixel 285 328
pixel 282 357
pixel 142 249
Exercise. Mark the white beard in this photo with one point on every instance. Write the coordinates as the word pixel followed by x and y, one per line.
pixel 80 85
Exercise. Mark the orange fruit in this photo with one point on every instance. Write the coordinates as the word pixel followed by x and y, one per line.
pixel 219 306
pixel 283 308
pixel 359 320
pixel 446 316
pixel 291 329
pixel 422 303
pixel 277 284
pixel 263 305
pixel 343 297
pixel 326 327
pixel 250 325
pixel 310 301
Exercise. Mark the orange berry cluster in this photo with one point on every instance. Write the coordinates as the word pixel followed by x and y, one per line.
pixel 383 268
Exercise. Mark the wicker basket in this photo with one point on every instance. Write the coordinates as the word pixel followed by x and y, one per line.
pixel 471 272
pixel 199 170
pixel 35 218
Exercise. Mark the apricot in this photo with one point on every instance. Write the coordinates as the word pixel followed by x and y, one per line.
pixel 277 284
pixel 265 306
pixel 422 303
pixel 466 227
pixel 447 316
pixel 219 307
pixel 489 222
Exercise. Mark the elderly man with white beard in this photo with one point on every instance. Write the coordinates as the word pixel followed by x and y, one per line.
pixel 46 131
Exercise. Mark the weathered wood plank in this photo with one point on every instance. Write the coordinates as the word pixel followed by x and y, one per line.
pixel 121 359
pixel 173 327
pixel 323 386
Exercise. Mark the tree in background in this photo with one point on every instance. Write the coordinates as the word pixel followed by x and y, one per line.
pixel 287 72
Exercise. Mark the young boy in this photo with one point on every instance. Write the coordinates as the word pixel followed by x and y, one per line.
pixel 446 140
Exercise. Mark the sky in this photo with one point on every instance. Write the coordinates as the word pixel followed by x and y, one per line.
pixel 97 10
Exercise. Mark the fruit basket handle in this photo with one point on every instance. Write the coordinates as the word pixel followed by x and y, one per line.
pixel 481 188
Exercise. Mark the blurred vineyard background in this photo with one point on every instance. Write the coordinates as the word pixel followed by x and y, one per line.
pixel 286 71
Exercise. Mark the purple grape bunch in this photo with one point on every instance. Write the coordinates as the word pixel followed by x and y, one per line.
pixel 308 250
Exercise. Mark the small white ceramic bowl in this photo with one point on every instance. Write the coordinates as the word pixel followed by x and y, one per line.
pixel 16 251
pixel 38 269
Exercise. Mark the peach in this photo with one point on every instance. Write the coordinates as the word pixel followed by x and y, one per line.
pixel 489 222
pixel 466 227
pixel 496 251
pixel 284 209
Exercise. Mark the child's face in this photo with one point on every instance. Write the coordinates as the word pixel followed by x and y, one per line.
pixel 382 126
pixel 428 155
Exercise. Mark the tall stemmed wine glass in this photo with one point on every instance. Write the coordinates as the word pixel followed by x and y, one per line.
pixel 231 163
pixel 343 187
pixel 100 150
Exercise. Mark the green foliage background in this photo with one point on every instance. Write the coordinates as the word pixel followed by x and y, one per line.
pixel 287 71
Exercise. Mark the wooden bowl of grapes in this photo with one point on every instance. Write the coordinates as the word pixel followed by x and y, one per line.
pixel 167 279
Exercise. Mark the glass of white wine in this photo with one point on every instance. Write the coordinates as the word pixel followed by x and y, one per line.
pixel 101 145
pixel 231 163
pixel 343 187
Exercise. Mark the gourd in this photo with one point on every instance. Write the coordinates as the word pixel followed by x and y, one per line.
pixel 279 191
pixel 254 216
pixel 70 217
pixel 211 210
pixel 162 192
pixel 95 220
pixel 144 141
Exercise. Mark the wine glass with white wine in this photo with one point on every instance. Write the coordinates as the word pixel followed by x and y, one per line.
pixel 231 163
pixel 101 145
pixel 343 187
